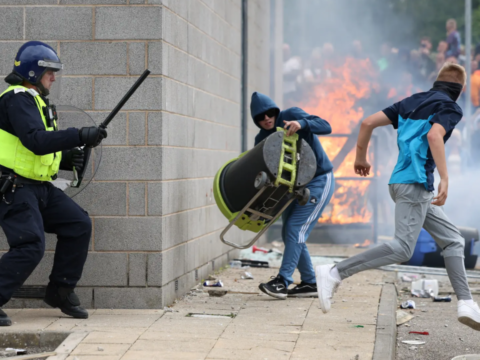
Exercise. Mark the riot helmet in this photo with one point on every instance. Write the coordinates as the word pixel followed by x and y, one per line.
pixel 33 60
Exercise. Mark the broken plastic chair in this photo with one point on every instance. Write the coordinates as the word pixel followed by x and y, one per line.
pixel 254 189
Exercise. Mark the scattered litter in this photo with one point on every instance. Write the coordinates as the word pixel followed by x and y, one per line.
pixel 467 357
pixel 461 339
pixel 407 325
pixel 413 342
pixel 425 288
pixel 100 348
pixel 211 316
pixel 213 283
pixel 34 356
pixel 277 243
pixel 446 325
pixel 419 332
pixel 260 249
pixel 344 300
pixel 217 293
pixel 16 351
pixel 253 263
pixel 409 277
pixel 235 264
pixel 358 326
pixel 442 299
pixel 167 309
pixel 412 348
pixel 403 317
pixel 247 276
pixel 409 304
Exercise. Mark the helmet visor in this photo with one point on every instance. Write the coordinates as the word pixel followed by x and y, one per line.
pixel 55 66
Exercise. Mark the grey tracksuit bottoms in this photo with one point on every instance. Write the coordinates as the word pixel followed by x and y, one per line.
pixel 413 210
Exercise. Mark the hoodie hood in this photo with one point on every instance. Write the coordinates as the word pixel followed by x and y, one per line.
pixel 261 103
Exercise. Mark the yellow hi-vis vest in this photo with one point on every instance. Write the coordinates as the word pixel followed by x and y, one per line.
pixel 23 162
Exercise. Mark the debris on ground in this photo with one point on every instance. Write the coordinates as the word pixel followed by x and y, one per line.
pixel 403 317
pixel 14 351
pixel 213 283
pixel 442 299
pixel 247 276
pixel 217 293
pixel 413 342
pixel 419 332
pixel 425 288
pixel 409 304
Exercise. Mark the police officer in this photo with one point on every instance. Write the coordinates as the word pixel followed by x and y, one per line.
pixel 32 150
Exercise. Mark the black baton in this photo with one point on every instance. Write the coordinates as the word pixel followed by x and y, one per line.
pixel 79 176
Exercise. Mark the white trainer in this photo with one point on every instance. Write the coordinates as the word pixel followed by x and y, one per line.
pixel 326 286
pixel 469 314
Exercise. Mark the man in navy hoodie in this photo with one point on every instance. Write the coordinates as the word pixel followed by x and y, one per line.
pixel 298 221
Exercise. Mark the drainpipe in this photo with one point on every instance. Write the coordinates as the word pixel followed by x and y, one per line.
pixel 244 76
pixel 272 48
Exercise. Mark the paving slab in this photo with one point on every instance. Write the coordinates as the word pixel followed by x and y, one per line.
pixel 246 323
pixel 103 337
pixel 100 349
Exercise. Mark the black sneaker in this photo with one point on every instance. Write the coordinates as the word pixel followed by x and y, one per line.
pixel 275 288
pixel 303 290
pixel 4 319
pixel 66 300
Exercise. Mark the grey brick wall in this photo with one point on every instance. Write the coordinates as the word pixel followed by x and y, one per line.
pixel 156 225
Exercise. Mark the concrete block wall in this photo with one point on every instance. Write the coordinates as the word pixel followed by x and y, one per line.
pixel 155 223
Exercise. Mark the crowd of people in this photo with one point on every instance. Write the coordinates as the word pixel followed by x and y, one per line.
pixel 399 73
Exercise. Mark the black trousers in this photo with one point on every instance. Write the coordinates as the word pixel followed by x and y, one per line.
pixel 37 209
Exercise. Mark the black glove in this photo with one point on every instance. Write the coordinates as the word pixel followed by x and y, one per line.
pixel 71 158
pixel 92 136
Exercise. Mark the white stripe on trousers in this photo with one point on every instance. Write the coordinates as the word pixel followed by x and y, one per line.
pixel 326 190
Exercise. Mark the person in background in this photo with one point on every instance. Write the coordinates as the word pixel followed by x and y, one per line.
pixel 426 64
pixel 453 39
pixel 314 71
pixel 475 83
pixel 357 50
pixel 292 68
pixel 328 52
pixel 385 55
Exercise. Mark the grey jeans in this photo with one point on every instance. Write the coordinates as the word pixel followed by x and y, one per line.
pixel 413 210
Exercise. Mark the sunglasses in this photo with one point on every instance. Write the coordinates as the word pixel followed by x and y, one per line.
pixel 270 113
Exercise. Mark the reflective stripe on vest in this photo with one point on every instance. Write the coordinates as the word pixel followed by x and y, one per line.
pixel 23 162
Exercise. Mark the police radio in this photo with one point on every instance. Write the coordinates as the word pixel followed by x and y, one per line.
pixel 50 113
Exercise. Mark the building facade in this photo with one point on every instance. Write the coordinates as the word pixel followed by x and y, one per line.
pixel 155 223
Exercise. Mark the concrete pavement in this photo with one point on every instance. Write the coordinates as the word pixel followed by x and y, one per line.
pixel 244 324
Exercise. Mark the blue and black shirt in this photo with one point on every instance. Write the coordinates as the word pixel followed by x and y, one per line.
pixel 413 117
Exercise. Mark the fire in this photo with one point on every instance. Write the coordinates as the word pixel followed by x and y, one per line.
pixel 336 100
pixel 365 244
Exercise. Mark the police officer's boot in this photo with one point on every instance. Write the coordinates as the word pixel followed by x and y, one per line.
pixel 66 300
pixel 4 319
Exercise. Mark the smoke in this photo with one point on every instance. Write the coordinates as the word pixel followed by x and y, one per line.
pixel 374 28
pixel 311 23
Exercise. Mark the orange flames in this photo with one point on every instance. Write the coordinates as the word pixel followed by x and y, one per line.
pixel 336 100
pixel 365 244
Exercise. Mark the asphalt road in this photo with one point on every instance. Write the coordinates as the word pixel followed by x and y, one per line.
pixel 448 337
